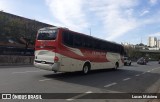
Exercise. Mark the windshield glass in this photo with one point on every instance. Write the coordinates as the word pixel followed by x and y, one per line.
pixel 47 35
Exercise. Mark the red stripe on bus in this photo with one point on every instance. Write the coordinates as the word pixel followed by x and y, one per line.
pixel 91 55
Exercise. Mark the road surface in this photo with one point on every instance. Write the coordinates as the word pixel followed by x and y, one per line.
pixel 127 79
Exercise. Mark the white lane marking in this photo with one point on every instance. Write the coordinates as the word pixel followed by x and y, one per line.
pixel 26 72
pixel 17 72
pixel 137 75
pixel 36 71
pixel 88 92
pixel 44 80
pixel 110 84
pixel 69 99
pixel 78 96
pixel 126 79
pixel 151 70
pixel 144 73
pixel 157 68
pixel 110 91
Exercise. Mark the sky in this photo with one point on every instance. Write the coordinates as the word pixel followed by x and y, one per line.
pixel 126 21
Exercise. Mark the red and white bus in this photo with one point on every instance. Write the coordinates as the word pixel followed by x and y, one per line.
pixel 62 50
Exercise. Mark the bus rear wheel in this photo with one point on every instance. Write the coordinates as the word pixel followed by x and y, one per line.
pixel 116 66
pixel 85 69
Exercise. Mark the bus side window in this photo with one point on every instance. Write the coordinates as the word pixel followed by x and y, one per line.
pixel 112 48
pixel 102 45
pixel 122 51
pixel 65 37
pixel 97 45
pixel 77 40
pixel 68 38
pixel 93 43
pixel 83 41
pixel 108 46
pixel 88 43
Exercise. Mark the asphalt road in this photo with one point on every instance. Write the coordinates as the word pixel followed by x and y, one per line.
pixel 127 79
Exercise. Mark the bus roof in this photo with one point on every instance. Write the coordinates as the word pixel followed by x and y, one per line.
pixel 50 28
pixel 94 37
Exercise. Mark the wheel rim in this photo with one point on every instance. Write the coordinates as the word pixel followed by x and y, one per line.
pixel 85 70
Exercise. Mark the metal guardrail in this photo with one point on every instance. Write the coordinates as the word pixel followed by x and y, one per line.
pixel 150 51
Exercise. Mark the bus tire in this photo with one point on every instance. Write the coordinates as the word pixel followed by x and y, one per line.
pixel 55 71
pixel 86 69
pixel 116 66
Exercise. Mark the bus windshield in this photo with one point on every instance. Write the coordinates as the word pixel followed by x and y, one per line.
pixel 47 35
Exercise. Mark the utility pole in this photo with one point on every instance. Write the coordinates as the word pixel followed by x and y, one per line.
pixel 90 31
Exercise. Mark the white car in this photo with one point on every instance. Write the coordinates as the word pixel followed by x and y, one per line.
pixel 127 61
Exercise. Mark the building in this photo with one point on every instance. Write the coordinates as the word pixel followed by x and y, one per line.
pixel 158 43
pixel 152 41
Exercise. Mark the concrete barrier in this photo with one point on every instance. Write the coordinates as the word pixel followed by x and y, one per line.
pixel 16 60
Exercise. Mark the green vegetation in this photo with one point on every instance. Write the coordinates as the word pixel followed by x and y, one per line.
pixel 15 27
pixel 136 53
pixel 133 53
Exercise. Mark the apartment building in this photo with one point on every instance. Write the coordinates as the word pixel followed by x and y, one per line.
pixel 152 42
